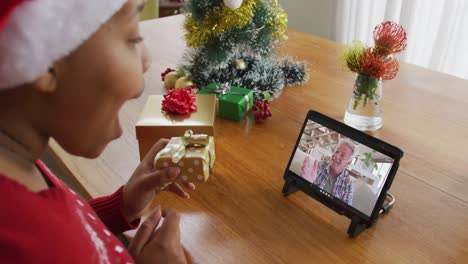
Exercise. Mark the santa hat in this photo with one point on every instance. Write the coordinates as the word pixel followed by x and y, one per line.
pixel 36 33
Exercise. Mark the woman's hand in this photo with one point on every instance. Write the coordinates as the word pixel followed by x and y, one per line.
pixel 161 245
pixel 146 182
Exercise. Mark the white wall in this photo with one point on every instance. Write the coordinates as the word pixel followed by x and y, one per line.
pixel 315 17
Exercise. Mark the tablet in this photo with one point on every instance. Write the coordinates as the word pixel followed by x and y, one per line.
pixel 344 168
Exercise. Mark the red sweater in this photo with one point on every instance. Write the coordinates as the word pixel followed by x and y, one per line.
pixel 58 226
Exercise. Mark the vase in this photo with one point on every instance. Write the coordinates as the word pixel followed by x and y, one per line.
pixel 364 111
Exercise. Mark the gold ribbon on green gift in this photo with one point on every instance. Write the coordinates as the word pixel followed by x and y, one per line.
pixel 176 147
pixel 247 104
pixel 225 88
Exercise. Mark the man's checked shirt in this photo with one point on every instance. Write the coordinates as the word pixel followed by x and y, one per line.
pixel 343 188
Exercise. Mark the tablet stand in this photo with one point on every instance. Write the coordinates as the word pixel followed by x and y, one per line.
pixel 289 187
pixel 357 224
pixel 356 227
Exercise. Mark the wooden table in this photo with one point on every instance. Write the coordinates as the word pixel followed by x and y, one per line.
pixel 240 216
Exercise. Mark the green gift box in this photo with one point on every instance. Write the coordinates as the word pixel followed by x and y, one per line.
pixel 233 102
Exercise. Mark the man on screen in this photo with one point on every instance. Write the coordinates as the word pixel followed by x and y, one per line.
pixel 332 176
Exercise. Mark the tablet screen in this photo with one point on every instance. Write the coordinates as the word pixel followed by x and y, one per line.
pixel 340 167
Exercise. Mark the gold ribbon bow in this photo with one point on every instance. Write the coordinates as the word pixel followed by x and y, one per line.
pixel 195 140
pixel 222 89
pixel 176 147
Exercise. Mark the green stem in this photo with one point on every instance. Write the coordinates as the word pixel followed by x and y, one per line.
pixel 364 85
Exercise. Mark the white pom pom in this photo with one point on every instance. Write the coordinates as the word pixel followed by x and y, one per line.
pixel 233 4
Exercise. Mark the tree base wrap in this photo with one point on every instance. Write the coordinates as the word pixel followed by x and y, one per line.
pixel 233 103
pixel 193 154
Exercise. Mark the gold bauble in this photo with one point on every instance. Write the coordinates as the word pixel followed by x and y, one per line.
pixel 240 64
pixel 170 80
pixel 183 82
pixel 233 4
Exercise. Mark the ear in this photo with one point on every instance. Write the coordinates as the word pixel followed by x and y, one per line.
pixel 46 83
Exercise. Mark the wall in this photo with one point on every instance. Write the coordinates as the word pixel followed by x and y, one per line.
pixel 150 11
pixel 315 17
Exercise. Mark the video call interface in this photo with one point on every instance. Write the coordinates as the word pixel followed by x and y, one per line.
pixel 341 167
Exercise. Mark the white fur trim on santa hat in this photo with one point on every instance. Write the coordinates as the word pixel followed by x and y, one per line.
pixel 40 32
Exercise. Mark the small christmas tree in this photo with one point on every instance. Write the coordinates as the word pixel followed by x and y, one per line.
pixel 233 41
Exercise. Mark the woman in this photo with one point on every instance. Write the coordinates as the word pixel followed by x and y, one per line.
pixel 66 68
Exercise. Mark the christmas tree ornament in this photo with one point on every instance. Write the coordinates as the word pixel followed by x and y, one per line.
pixel 233 4
pixel 183 82
pixel 262 110
pixel 240 64
pixel 170 80
pixel 164 73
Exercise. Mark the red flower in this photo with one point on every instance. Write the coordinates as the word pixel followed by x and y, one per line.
pixel 391 68
pixel 390 38
pixel 372 64
pixel 179 101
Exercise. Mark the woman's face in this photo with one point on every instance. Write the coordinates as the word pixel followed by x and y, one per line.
pixel 94 82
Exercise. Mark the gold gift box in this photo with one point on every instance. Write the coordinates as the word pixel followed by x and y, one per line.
pixel 193 154
pixel 155 124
